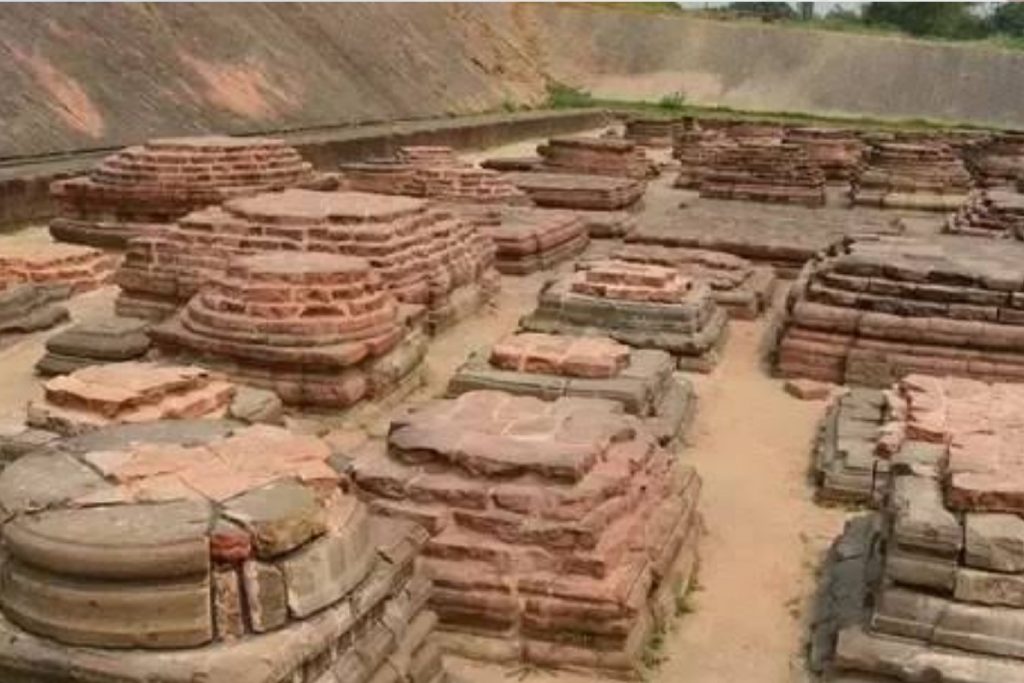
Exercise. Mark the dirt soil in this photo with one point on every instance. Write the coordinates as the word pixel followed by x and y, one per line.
pixel 765 537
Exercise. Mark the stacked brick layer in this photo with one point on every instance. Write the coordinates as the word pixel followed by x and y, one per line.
pixel 874 310
pixel 156 183
pixel 111 340
pixel 847 465
pixel 558 528
pixel 652 132
pixel 951 546
pixel 234 551
pixel 130 392
pixel 526 239
pixel 990 213
pixel 424 256
pixel 765 172
pixel 836 151
pixel 595 156
pixel 695 149
pixel 586 192
pixel 742 289
pixel 550 366
pixel 916 176
pixel 64 269
pixel 640 305
pixel 998 161
pixel 317 329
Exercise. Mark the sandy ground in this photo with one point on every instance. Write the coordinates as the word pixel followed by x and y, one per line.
pixel 750 443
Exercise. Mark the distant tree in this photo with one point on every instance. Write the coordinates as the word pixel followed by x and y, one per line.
pixel 938 19
pixel 806 10
pixel 1008 18
pixel 767 11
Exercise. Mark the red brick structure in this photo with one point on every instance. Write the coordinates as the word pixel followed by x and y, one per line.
pixel 836 151
pixel 527 239
pixel 594 357
pixel 694 149
pixel 653 132
pixel 63 269
pixel 585 192
pixel 123 393
pixel 917 176
pixel 424 255
pixel 998 161
pixel 762 171
pixel 558 529
pixel 154 184
pixel 594 156
pixel 189 550
pixel 990 213
pixel 873 310
pixel 317 329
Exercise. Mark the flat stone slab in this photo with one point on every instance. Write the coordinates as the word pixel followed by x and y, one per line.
pixel 571 191
pixel 847 464
pixel 28 308
pixel 106 341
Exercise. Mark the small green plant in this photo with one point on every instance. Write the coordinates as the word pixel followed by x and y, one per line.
pixel 674 101
pixel 653 654
pixel 509 105
pixel 562 96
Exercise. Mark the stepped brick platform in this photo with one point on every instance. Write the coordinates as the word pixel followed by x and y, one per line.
pixel 653 132
pixel 561 532
pixel 836 151
pixel 941 571
pixel 527 239
pixel 875 309
pixel 587 192
pixel 695 149
pixel 317 329
pixel 990 213
pixel 204 551
pixel 784 237
pixel 595 156
pixel 550 367
pixel 927 177
pixel 424 255
pixel 63 269
pixel 641 305
pixel 764 172
pixel 847 465
pixel 433 173
pixel 28 308
pixel 113 340
pixel 153 184
pixel 998 161
pixel 130 392
pixel 608 224
pixel 742 289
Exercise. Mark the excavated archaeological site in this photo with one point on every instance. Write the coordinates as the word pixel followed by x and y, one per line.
pixel 610 395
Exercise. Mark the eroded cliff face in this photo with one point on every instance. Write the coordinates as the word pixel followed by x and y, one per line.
pixel 90 76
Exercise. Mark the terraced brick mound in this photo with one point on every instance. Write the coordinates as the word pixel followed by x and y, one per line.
pixel 848 466
pixel 182 551
pixel 422 254
pixel 63 269
pixel 925 176
pixel 990 213
pixel 742 289
pixel 527 239
pixel 765 172
pixel 550 366
pixel 140 187
pixel 873 310
pixel 653 132
pixel 112 340
pixel 572 191
pixel 942 567
pixel 595 156
pixel 431 172
pixel 28 308
pixel 838 152
pixel 317 329
pixel 644 306
pixel 131 392
pixel 512 164
pixel 560 532
pixel 694 148
pixel 997 161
